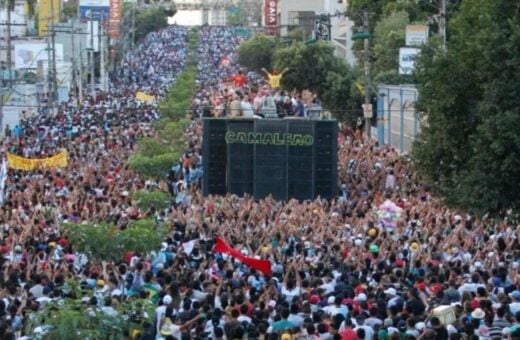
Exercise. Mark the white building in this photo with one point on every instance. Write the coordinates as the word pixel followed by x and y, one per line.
pixel 303 14
pixel 18 21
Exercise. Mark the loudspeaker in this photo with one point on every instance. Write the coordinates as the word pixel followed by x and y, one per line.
pixel 326 159
pixel 214 157
pixel 270 162
pixel 301 162
pixel 240 160
pixel 289 158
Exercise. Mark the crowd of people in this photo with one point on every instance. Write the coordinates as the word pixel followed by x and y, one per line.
pixel 337 272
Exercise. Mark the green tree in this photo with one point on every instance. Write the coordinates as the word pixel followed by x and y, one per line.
pixel 105 242
pixel 257 53
pixel 149 20
pixel 469 147
pixel 314 67
pixel 389 36
pixel 147 200
pixel 156 167
pixel 59 319
pixel 70 9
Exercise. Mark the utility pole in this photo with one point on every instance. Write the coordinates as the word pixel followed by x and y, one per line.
pixel 80 84
pixel 8 37
pixel 76 76
pixel 73 62
pixel 442 22
pixel 53 82
pixel 367 108
pixel 101 36
pixel 91 59
pixel 132 42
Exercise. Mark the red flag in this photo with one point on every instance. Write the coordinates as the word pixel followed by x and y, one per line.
pixel 262 266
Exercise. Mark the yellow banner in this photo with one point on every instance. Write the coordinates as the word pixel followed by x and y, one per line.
pixel 48 11
pixel 144 97
pixel 27 164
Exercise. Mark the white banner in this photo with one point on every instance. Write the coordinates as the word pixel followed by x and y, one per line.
pixel 28 55
pixel 94 3
pixel 416 35
pixel 407 58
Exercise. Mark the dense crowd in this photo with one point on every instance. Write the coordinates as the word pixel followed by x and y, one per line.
pixel 338 272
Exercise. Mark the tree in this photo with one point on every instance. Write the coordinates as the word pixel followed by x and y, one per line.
pixel 389 36
pixel 106 242
pixel 156 167
pixel 314 67
pixel 70 9
pixel 469 148
pixel 60 319
pixel 257 53
pixel 150 20
pixel 147 200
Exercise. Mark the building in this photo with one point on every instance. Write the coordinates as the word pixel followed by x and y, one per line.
pixel 398 121
pixel 341 29
pixel 201 12
pixel 303 14
pixel 298 14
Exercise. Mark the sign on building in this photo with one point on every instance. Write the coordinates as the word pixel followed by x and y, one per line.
pixel 114 19
pixel 271 16
pixel 407 58
pixel 48 13
pixel 28 55
pixel 94 10
pixel 416 35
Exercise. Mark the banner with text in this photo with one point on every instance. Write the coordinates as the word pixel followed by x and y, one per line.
pixel 48 12
pixel 60 160
pixel 95 10
pixel 114 19
pixel 271 17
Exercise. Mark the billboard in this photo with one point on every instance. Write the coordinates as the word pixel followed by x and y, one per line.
pixel 271 16
pixel 114 19
pixel 407 57
pixel 416 35
pixel 92 35
pixel 97 10
pixel 28 55
pixel 48 11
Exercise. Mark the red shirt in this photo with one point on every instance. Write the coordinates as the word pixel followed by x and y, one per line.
pixel 348 334
pixel 239 80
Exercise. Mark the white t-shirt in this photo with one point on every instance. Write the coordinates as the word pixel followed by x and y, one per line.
pixel 290 294
pixel 247 110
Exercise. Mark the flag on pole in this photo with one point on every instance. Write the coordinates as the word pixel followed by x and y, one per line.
pixel 3 178
pixel 263 266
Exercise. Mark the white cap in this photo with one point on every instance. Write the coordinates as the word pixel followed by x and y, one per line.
pixel 272 303
pixel 331 300
pixel 362 297
pixel 167 299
